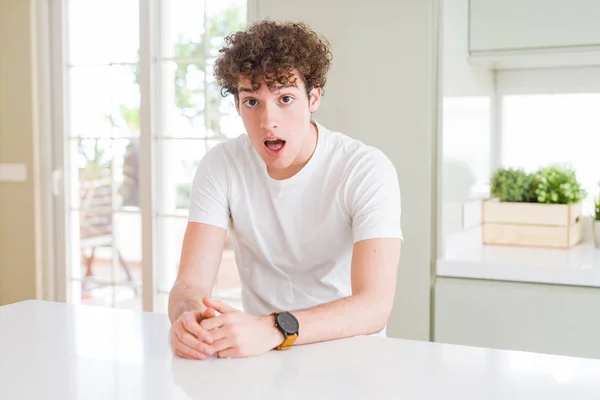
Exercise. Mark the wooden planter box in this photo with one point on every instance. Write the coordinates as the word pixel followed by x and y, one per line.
pixel 532 224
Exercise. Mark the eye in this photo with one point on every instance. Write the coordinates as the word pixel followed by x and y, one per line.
pixel 250 103
pixel 287 99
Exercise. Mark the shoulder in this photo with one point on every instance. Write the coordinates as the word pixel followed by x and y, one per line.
pixel 229 152
pixel 354 157
pixel 235 146
pixel 219 162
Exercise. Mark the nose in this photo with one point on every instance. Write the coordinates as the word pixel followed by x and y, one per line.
pixel 269 117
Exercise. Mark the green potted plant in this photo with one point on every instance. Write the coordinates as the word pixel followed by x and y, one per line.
pixel 539 209
pixel 513 185
pixel 558 184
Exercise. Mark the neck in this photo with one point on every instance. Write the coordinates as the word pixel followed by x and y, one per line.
pixel 302 159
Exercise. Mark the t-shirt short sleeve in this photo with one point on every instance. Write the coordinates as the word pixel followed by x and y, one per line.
pixel 209 193
pixel 374 198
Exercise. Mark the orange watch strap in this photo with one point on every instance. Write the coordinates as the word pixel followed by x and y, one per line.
pixel 288 342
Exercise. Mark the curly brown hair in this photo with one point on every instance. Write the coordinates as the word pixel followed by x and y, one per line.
pixel 269 51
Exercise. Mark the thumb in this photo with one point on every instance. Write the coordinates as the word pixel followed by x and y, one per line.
pixel 218 305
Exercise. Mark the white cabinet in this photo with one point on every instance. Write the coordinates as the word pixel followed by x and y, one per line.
pixel 518 316
pixel 551 33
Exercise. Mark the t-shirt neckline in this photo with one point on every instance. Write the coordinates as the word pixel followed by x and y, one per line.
pixel 307 169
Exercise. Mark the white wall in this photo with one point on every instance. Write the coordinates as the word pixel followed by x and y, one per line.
pixel 466 128
pixel 20 273
pixel 460 78
pixel 381 90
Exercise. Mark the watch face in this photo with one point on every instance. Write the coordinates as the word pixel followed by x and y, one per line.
pixel 288 322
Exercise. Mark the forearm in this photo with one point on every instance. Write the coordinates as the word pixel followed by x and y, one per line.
pixel 358 314
pixel 185 297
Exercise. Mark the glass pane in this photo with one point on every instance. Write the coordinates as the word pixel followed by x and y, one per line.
pixel 98 163
pixel 224 18
pixel 90 105
pixel 126 174
pixel 110 254
pixel 553 128
pixel 101 32
pixel 188 110
pixel 182 27
pixel 176 164
pixel 222 117
pixel 182 99
pixel 467 147
pixel 105 101
pixel 183 23
pixel 91 176
pixel 95 294
pixel 128 246
pixel 94 237
pixel 128 297
pixel 110 245
pixel 110 296
pixel 125 110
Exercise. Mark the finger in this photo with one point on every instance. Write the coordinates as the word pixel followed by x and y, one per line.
pixel 209 313
pixel 223 344
pixel 193 326
pixel 191 341
pixel 213 323
pixel 184 351
pixel 218 334
pixel 187 352
pixel 225 338
pixel 183 355
pixel 231 352
pixel 218 305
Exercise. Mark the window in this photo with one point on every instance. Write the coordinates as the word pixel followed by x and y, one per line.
pixel 466 146
pixel 102 127
pixel 539 129
pixel 103 138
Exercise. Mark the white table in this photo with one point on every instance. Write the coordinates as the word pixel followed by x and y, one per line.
pixel 55 351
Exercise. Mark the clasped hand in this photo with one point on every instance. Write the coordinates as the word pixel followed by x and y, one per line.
pixel 230 333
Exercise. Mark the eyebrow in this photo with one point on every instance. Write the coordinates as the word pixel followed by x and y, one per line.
pixel 278 89
pixel 245 89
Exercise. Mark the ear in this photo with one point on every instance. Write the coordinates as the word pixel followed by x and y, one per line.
pixel 314 99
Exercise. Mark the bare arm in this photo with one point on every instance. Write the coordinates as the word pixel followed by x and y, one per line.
pixel 372 198
pixel 200 258
pixel 366 311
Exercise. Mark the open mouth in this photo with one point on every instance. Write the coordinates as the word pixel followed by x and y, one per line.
pixel 274 146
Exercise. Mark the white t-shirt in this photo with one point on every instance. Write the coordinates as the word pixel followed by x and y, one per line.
pixel 294 237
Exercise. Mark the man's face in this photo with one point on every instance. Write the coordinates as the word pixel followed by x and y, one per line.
pixel 277 121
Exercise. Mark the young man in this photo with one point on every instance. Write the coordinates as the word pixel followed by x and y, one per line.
pixel 316 214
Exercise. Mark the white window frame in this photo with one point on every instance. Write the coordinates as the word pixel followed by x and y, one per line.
pixel 48 277
pixel 548 81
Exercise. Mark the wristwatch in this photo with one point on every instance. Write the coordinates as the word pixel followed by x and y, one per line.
pixel 288 325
